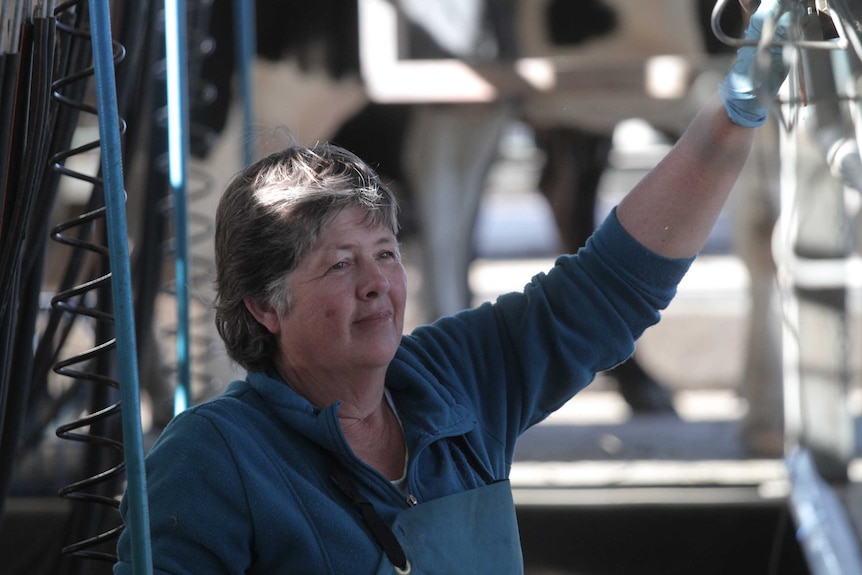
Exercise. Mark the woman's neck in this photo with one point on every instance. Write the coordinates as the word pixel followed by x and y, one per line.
pixel 377 439
pixel 360 394
pixel 369 424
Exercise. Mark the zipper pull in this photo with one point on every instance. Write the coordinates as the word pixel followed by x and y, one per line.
pixel 411 500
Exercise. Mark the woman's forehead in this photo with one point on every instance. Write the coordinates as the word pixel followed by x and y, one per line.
pixel 354 219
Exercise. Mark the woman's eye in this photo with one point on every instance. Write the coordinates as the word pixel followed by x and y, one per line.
pixel 389 255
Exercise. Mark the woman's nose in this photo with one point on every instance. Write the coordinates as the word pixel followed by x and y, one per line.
pixel 374 281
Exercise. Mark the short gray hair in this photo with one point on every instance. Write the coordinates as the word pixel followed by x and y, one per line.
pixel 268 219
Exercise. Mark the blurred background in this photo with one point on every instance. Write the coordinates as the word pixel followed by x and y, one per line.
pixel 508 129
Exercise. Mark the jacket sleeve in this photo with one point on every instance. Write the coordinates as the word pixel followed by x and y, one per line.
pixel 517 360
pixel 585 316
pixel 199 518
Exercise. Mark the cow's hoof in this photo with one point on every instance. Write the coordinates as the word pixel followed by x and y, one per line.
pixel 647 397
pixel 641 392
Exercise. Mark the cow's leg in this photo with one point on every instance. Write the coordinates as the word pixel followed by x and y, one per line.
pixel 574 163
pixel 448 151
pixel 755 211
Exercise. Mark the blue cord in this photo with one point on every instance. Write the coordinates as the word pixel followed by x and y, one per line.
pixel 176 47
pixel 246 45
pixel 118 251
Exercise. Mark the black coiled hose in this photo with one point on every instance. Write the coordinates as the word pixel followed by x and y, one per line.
pixel 88 302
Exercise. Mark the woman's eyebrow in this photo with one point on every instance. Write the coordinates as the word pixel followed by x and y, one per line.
pixel 382 241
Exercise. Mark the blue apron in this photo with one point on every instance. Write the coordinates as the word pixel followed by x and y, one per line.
pixel 474 532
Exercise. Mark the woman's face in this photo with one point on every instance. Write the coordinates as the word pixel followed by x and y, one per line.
pixel 347 300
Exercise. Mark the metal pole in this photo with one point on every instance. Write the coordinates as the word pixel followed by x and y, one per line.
pixel 246 44
pixel 176 48
pixel 118 250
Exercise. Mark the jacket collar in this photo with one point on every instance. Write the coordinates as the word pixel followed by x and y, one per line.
pixel 427 409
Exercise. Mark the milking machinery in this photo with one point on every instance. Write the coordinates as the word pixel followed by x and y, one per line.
pixel 96 197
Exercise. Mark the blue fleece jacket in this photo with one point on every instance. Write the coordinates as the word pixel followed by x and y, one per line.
pixel 240 484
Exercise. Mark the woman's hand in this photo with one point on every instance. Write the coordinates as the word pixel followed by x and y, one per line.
pixel 748 90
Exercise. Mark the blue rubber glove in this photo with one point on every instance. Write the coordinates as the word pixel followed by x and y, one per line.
pixel 748 90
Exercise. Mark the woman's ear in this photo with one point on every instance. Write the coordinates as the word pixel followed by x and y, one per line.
pixel 264 314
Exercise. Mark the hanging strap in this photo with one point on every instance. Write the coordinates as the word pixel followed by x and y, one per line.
pixel 379 530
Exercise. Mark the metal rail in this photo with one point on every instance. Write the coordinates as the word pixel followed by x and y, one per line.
pixel 813 248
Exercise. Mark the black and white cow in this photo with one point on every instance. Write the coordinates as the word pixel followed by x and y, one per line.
pixel 309 77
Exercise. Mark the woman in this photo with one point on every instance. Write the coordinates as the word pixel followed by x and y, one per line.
pixel 350 448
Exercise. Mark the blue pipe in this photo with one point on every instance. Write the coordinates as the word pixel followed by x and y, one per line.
pixel 246 45
pixel 176 47
pixel 118 251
